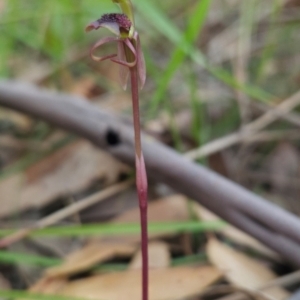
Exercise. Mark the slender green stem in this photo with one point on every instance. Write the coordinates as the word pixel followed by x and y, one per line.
pixel 141 180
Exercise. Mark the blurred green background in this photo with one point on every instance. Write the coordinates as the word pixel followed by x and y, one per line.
pixel 190 46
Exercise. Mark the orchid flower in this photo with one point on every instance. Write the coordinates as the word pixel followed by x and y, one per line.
pixel 129 54
pixel 131 60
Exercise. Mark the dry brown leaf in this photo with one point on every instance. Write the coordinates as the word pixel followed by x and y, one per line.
pixel 233 233
pixel 2 5
pixel 21 121
pixel 241 270
pixel 174 283
pixel 32 71
pixel 283 166
pixel 159 257
pixel 111 72
pixel 115 102
pixel 69 170
pixel 168 209
pixel 48 286
pixel 89 256
pixel 83 86
pixel 171 208
pixel 4 283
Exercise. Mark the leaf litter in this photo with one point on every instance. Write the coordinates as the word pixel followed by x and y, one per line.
pixel 65 172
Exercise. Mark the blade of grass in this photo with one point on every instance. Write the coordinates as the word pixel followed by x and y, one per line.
pixel 31 158
pixel 178 261
pixel 169 30
pixel 46 27
pixel 27 259
pixel 14 258
pixel 15 294
pixel 199 128
pixel 269 49
pixel 190 259
pixel 123 229
pixel 194 27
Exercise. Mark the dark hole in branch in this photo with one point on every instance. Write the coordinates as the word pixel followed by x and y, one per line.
pixel 112 138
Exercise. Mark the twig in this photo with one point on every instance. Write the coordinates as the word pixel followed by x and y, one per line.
pixel 242 58
pixel 272 135
pixel 239 293
pixel 236 138
pixel 219 46
pixel 66 212
pixel 275 113
pixel 287 280
pixel 273 226
pixel 291 117
pixel 232 139
pixel 215 146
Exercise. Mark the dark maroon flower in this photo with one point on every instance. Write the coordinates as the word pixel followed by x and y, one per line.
pixel 129 53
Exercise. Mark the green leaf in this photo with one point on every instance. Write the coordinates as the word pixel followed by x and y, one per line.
pixel 26 296
pixel 124 229
pixel 27 259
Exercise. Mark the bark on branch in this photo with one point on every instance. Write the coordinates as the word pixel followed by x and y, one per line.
pixel 273 226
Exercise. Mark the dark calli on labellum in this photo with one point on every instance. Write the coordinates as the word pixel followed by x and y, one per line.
pixel 114 22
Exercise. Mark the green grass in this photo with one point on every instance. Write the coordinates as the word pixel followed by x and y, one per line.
pixel 32 296
pixel 8 257
pixel 49 31
pixel 14 258
pixel 52 28
pixel 45 29
pixel 124 229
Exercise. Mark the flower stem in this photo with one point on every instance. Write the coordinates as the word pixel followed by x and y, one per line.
pixel 141 180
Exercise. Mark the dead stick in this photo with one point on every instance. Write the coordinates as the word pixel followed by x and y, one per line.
pixel 273 226
pixel 255 126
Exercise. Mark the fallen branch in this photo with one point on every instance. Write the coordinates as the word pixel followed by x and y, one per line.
pixel 273 226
